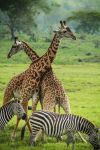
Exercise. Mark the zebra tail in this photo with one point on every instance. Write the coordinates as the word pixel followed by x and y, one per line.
pixel 23 132
pixel 82 137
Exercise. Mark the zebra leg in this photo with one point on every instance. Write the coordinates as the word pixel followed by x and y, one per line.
pixel 39 133
pixel 70 139
pixel 32 142
pixel 43 137
pixel 59 138
pixel 35 136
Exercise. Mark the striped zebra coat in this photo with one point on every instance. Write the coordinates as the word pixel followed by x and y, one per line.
pixel 59 124
pixel 10 109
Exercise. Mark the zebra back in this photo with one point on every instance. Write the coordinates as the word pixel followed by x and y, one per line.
pixel 48 120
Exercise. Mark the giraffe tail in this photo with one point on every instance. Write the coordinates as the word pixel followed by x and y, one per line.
pixel 23 132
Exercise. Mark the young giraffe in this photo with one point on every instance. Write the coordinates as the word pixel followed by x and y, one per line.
pixel 30 79
pixel 51 89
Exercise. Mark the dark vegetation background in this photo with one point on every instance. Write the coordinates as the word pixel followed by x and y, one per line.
pixel 34 22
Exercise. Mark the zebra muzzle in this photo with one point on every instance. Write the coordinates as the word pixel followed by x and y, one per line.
pixel 24 116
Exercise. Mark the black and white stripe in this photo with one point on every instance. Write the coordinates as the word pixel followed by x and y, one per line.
pixel 9 110
pixel 59 124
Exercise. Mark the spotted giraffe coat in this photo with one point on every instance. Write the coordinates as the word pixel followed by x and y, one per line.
pixel 50 92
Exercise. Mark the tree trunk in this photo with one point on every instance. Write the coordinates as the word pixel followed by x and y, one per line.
pixel 11 25
pixel 12 33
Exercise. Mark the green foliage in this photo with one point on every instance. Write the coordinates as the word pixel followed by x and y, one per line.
pixel 87 21
pixel 20 15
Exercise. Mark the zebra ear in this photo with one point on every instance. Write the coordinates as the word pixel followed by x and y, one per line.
pixel 16 100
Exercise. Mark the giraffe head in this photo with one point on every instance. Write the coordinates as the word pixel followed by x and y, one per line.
pixel 65 31
pixel 17 46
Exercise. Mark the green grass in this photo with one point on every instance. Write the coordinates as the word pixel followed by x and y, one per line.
pixel 82 84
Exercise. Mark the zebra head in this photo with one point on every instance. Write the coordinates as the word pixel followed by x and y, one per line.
pixel 94 139
pixel 18 110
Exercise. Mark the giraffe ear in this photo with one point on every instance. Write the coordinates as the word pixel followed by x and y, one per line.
pixel 64 22
pixel 61 23
pixel 15 38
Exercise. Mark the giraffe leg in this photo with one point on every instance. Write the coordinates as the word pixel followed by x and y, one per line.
pixel 13 136
pixel 49 101
pixel 25 106
pixel 55 109
pixel 34 105
pixel 65 105
pixel 59 105
pixel 34 101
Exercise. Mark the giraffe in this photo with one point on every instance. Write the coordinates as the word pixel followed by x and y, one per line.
pixel 50 86
pixel 30 78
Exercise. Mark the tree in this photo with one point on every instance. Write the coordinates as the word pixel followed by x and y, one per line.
pixel 19 14
pixel 87 21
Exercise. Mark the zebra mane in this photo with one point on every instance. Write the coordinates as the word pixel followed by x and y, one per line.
pixel 15 100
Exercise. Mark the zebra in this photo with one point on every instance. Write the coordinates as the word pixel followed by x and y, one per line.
pixel 10 109
pixel 59 124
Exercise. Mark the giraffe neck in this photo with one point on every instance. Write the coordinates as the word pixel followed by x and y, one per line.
pixel 31 54
pixel 43 64
pixel 49 56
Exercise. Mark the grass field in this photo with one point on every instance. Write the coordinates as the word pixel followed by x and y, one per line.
pixel 82 84
pixel 77 65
